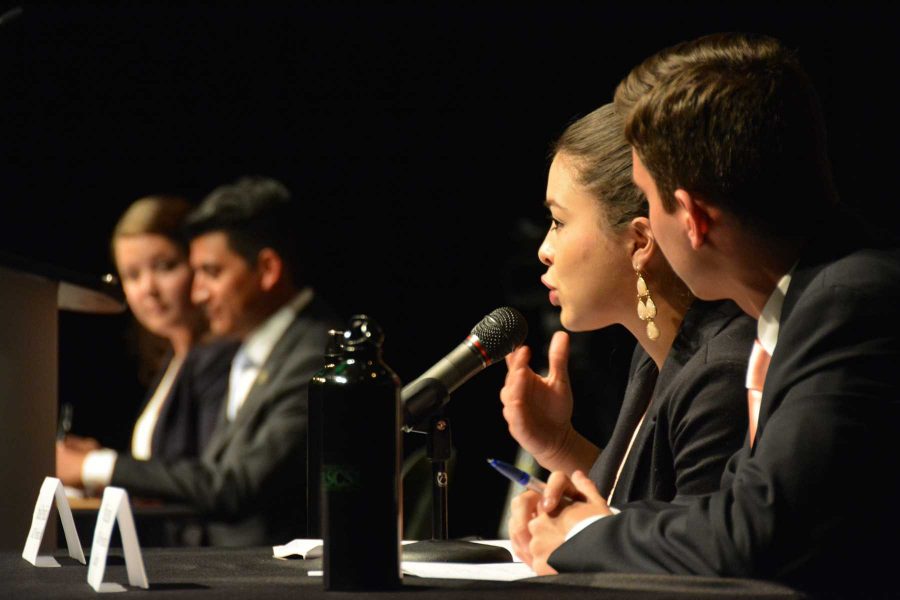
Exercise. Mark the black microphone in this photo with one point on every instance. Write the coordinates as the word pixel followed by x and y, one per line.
pixel 495 336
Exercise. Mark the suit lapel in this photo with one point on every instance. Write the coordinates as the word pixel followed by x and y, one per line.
pixel 655 395
pixel 159 428
pixel 259 394
pixel 220 434
pixel 805 271
pixel 701 322
pixel 636 461
pixel 637 396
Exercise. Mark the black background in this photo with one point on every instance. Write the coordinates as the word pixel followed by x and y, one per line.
pixel 414 134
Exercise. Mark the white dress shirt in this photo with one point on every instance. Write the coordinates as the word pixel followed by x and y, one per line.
pixel 769 322
pixel 142 438
pixel 96 471
pixel 253 353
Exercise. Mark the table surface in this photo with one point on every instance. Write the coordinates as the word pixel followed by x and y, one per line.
pixel 145 505
pixel 214 573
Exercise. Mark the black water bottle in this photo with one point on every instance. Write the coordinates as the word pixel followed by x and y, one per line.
pixel 334 352
pixel 361 465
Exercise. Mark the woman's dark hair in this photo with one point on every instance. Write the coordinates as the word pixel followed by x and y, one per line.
pixel 596 147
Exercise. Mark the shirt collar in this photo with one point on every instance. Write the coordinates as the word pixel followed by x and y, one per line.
pixel 768 325
pixel 262 340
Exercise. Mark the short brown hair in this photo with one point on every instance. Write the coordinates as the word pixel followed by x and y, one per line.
pixel 733 119
pixel 602 159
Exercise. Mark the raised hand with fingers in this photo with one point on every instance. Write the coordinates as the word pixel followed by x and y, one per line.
pixel 538 410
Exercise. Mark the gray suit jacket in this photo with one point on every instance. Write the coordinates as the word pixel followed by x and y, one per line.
pixel 250 482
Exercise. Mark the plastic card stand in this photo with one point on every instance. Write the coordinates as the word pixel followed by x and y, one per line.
pixel 51 490
pixel 116 508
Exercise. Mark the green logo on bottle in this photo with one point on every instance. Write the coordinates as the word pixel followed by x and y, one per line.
pixel 341 478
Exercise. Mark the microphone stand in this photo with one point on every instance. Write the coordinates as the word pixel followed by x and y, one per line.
pixel 438 449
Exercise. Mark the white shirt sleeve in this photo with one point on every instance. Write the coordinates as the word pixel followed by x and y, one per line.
pixel 97 469
pixel 585 523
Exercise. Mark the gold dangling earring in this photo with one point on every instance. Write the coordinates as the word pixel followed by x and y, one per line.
pixel 646 309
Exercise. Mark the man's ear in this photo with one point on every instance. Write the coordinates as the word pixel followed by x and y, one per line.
pixel 696 217
pixel 270 268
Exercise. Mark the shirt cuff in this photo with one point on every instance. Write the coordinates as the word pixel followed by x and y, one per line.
pixel 97 469
pixel 585 523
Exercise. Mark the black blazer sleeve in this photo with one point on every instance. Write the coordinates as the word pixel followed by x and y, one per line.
pixel 828 430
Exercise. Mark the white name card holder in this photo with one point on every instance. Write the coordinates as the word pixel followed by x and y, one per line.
pixel 116 508
pixel 51 490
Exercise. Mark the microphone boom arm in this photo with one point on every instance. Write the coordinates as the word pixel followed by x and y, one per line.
pixel 426 397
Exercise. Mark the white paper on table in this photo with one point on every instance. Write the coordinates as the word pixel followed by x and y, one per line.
pixel 301 547
pixel 298 547
pixel 508 571
pixel 505 544
pixel 115 508
pixel 51 490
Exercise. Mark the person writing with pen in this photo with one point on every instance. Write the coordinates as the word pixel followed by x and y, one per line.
pixel 248 483
pixel 188 366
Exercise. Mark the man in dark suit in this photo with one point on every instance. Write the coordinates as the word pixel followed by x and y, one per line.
pixel 249 483
pixel 729 149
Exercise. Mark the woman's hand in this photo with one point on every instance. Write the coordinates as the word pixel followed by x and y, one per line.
pixel 522 510
pixel 538 410
pixel 556 517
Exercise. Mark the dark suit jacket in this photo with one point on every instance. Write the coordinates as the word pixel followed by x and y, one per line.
pixel 696 410
pixel 190 411
pixel 815 502
pixel 250 480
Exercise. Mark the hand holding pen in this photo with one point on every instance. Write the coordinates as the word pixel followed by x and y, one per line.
pixel 534 533
pixel 524 479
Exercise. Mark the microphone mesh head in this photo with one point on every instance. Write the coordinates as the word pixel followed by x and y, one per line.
pixel 501 332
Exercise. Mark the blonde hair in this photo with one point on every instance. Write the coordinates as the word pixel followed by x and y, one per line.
pixel 160 215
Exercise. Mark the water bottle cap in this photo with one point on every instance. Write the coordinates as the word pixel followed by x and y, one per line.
pixel 362 333
pixel 335 343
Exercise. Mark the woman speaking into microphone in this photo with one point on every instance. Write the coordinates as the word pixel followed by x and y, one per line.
pixel 684 411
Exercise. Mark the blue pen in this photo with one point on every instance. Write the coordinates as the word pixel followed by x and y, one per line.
pixel 521 477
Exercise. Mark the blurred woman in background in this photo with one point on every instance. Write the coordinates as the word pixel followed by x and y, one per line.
pixel 191 370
